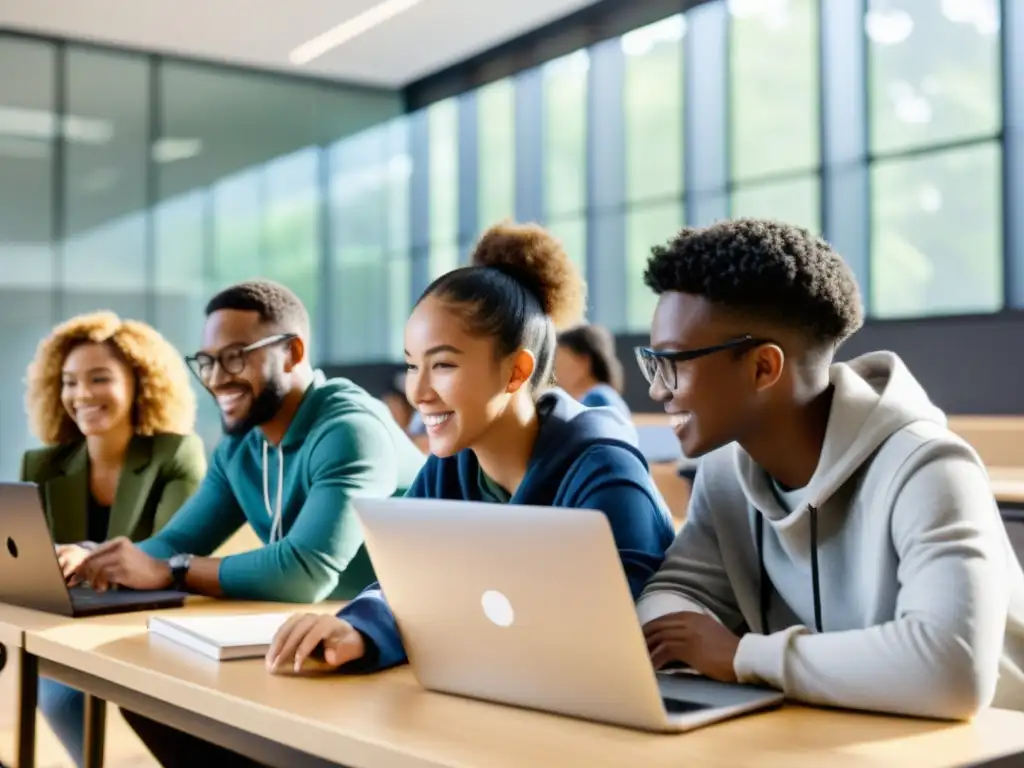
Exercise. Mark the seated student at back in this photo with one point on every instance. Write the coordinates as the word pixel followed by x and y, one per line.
pixel 587 368
pixel 842 544
pixel 479 347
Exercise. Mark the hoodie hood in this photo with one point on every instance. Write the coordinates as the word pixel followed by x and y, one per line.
pixel 567 430
pixel 875 396
pixel 324 399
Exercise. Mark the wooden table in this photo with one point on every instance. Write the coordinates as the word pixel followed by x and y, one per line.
pixel 1008 486
pixel 21 665
pixel 387 720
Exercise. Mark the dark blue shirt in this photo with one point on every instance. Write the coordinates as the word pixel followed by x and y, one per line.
pixel 584 458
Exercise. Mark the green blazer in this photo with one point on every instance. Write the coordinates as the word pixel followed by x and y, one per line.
pixel 160 473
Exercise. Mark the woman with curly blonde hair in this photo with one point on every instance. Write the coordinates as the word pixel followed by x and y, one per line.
pixel 111 401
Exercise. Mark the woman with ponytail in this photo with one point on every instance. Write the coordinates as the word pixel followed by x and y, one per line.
pixel 480 348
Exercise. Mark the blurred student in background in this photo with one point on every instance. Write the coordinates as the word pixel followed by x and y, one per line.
pixel 587 368
pixel 111 401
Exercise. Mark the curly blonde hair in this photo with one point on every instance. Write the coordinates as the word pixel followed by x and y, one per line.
pixel 164 400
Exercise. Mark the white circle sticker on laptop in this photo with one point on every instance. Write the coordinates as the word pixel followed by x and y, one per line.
pixel 497 608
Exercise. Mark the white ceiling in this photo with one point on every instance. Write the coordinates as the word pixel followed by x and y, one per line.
pixel 261 33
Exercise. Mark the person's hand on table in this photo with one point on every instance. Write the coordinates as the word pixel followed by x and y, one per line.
pixel 70 556
pixel 118 562
pixel 694 639
pixel 313 640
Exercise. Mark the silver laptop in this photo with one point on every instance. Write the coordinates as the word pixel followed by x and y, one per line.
pixel 658 443
pixel 529 606
pixel 30 575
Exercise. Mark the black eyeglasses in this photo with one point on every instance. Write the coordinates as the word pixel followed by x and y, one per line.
pixel 656 363
pixel 230 359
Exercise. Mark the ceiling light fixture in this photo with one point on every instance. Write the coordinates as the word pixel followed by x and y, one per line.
pixel 170 150
pixel 39 124
pixel 357 25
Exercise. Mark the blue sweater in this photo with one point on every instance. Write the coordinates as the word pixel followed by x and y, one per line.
pixel 583 458
pixel 605 395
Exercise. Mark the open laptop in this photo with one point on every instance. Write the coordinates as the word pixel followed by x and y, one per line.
pixel 530 606
pixel 658 443
pixel 30 575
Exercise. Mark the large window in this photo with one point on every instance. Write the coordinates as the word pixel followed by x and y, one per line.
pixel 565 150
pixel 936 233
pixel 27 269
pixel 496 155
pixel 646 226
pixel 934 69
pixel 291 223
pixel 443 201
pixel 239 165
pixel 793 200
pixel 370 175
pixel 773 64
pixel 774 110
pixel 653 104
pixel 106 158
pixel 936 177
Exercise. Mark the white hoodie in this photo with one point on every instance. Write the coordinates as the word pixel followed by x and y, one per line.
pixel 896 555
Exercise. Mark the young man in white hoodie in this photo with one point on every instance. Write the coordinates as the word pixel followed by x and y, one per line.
pixel 842 544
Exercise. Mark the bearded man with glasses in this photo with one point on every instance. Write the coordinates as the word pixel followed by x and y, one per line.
pixel 297 448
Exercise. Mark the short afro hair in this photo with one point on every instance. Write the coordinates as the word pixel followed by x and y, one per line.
pixel 276 305
pixel 164 400
pixel 765 269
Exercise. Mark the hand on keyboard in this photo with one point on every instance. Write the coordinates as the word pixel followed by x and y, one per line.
pixel 70 556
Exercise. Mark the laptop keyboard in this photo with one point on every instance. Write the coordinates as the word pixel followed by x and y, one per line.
pixel 680 707
pixel 85 596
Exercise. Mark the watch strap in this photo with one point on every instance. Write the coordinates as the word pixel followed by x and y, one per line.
pixel 179 570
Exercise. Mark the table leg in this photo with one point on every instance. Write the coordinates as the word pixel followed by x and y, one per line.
pixel 95 730
pixel 28 693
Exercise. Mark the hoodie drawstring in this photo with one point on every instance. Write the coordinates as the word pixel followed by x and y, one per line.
pixel 274 512
pixel 766 584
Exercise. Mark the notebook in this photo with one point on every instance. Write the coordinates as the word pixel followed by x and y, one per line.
pixel 238 636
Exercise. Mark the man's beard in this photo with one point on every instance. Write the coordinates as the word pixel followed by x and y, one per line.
pixel 264 407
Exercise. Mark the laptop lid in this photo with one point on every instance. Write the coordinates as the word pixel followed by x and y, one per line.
pixel 658 444
pixel 522 605
pixel 30 575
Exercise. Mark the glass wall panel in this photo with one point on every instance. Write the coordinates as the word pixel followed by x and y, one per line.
pixel 646 226
pixel 653 104
pixel 936 233
pixel 291 224
pixel 28 126
pixel 106 161
pixel 370 174
pixel 774 93
pixel 793 201
pixel 934 70
pixel 496 152
pixel 443 202
pixel 565 136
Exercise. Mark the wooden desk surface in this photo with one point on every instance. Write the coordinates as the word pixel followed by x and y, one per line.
pixel 14 621
pixel 388 720
pixel 1007 484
